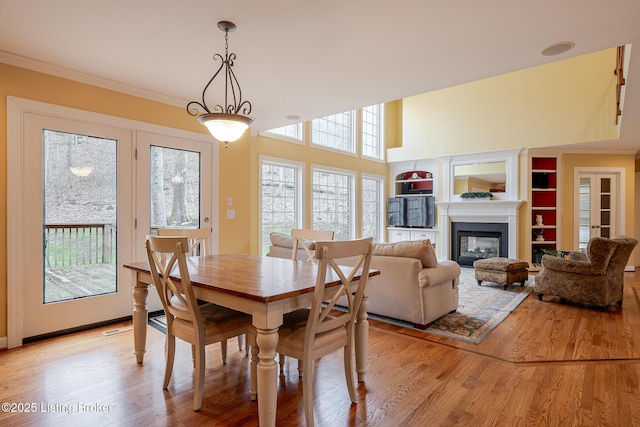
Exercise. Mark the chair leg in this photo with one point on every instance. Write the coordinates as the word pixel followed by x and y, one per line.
pixel 170 352
pixel 240 340
pixel 253 371
pixel 300 368
pixel 223 347
pixel 307 391
pixel 281 360
pixel 199 378
pixel 348 371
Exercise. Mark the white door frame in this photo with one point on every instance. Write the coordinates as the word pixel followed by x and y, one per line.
pixel 620 195
pixel 16 108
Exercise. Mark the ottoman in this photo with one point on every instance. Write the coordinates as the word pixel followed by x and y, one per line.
pixel 503 271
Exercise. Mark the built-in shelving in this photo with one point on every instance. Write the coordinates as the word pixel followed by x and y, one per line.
pixel 543 205
pixel 413 190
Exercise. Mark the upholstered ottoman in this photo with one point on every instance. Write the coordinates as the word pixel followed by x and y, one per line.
pixel 503 271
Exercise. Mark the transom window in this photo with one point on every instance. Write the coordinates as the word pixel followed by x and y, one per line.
pixel 289 132
pixel 335 131
pixel 372 131
pixel 333 202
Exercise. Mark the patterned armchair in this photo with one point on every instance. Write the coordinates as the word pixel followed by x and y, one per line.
pixel 595 277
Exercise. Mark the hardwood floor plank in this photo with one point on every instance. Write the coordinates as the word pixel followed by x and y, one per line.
pixel 547 364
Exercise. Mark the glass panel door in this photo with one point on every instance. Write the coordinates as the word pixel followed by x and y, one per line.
pixel 174 181
pixel 80 221
pixel 597 202
pixel 77 224
pixel 175 188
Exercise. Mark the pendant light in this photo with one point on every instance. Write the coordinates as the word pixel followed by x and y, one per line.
pixel 224 122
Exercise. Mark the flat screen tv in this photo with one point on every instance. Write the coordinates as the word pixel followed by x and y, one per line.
pixel 396 216
pixel 420 211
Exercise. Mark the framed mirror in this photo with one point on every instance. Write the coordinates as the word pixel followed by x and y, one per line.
pixel 485 176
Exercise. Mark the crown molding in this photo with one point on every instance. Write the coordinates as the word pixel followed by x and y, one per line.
pixel 66 73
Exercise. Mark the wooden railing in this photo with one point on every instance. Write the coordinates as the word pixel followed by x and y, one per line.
pixel 79 244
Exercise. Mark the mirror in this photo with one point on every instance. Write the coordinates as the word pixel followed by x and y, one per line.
pixel 490 177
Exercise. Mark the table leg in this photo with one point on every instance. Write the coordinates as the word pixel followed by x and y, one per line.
pixel 267 373
pixel 140 319
pixel 362 338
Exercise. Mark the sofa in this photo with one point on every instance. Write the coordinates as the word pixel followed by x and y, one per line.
pixel 413 286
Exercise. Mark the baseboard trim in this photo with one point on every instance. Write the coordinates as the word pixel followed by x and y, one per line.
pixel 3 343
pixel 630 268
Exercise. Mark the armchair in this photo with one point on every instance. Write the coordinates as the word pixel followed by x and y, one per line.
pixel 596 277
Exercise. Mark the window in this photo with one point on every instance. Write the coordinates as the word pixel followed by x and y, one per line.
pixel 372 207
pixel 289 132
pixel 372 131
pixel 280 198
pixel 333 202
pixel 335 131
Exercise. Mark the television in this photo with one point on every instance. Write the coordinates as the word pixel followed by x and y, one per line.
pixel 420 211
pixel 396 216
pixel 412 211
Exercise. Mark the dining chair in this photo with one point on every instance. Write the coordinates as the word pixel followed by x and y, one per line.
pixel 306 237
pixel 198 325
pixel 311 333
pixel 198 238
pixel 199 245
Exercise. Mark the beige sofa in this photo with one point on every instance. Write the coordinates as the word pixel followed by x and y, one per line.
pixel 412 286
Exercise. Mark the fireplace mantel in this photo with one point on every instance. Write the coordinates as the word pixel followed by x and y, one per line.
pixel 481 211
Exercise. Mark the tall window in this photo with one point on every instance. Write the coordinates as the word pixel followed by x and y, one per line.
pixel 290 132
pixel 333 202
pixel 280 198
pixel 372 131
pixel 372 207
pixel 335 131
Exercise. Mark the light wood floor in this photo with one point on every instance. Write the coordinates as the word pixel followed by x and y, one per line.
pixel 547 364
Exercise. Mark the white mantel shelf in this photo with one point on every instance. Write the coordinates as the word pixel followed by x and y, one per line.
pixel 500 209
pixel 480 211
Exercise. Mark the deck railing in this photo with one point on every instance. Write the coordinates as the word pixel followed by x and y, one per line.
pixel 79 244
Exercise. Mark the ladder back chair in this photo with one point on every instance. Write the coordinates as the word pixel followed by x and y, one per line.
pixel 198 246
pixel 198 325
pixel 311 333
pixel 198 238
pixel 305 237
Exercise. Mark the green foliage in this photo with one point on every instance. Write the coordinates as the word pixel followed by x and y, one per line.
pixel 476 195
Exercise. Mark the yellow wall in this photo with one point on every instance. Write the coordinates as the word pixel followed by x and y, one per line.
pixel 563 102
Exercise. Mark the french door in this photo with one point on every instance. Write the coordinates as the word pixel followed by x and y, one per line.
pixel 77 224
pixel 76 193
pixel 174 182
pixel 598 201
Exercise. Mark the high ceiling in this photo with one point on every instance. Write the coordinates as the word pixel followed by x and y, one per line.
pixel 312 58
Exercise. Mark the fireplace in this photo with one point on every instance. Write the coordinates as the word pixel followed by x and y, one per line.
pixel 472 240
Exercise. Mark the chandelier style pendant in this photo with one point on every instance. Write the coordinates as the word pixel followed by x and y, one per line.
pixel 224 122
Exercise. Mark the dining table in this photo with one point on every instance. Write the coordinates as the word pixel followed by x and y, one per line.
pixel 264 287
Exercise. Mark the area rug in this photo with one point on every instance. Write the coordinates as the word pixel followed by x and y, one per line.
pixel 480 308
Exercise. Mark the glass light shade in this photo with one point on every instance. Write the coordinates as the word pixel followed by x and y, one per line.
pixel 81 170
pixel 225 127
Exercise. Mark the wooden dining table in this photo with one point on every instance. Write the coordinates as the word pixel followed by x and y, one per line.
pixel 265 287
